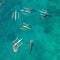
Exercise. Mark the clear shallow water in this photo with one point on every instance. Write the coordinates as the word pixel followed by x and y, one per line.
pixel 45 33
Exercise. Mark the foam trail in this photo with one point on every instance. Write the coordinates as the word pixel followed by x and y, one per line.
pixel 20 44
pixel 15 40
pixel 22 10
pixel 43 11
pixel 15 15
pixel 18 41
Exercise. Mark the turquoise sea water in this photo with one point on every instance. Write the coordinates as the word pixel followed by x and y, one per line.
pixel 44 32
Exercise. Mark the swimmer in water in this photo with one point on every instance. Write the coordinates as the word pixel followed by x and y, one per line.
pixel 31 45
pixel 25 27
pixel 16 46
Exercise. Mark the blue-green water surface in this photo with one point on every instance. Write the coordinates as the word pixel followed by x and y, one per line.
pixel 44 32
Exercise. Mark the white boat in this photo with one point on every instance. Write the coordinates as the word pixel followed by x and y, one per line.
pixel 16 46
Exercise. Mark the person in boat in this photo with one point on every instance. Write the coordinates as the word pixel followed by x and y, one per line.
pixel 16 44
